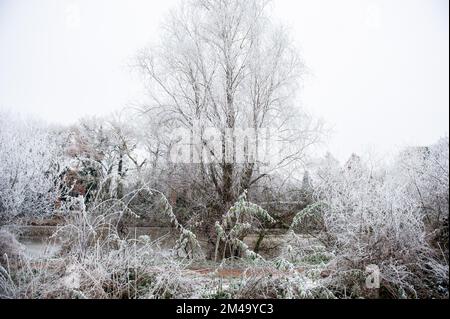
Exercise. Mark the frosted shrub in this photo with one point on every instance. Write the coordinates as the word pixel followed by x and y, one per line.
pixel 99 264
pixel 372 218
pixel 187 244
pixel 29 167
pixel 272 283
pixel 425 173
pixel 240 220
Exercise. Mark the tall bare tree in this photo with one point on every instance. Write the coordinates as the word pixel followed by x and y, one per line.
pixel 223 64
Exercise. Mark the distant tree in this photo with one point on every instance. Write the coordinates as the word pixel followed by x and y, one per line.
pixel 103 153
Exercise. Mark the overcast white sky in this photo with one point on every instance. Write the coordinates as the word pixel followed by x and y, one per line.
pixel 380 68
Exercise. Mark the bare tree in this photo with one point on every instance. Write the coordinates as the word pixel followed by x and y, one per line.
pixel 225 65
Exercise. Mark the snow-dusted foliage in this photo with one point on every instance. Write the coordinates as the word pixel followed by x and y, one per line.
pixel 241 219
pixel 372 216
pixel 425 171
pixel 187 243
pixel 30 163
pixel 107 268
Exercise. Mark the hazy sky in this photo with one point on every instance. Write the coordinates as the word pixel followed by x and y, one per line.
pixel 379 69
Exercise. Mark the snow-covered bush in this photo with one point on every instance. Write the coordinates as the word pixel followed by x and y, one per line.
pixel 96 263
pixel 371 217
pixel 30 165
pixel 135 269
pixel 425 171
pixel 240 220
pixel 290 285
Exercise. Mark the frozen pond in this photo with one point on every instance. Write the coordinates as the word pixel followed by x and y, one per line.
pixel 37 245
pixel 37 248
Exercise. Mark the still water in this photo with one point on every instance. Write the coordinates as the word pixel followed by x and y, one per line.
pixel 38 248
